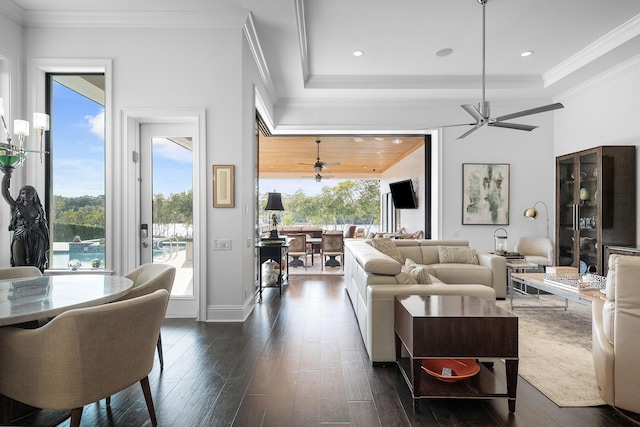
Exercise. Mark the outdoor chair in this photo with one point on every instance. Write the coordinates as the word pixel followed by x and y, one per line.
pixel 332 246
pixel 298 248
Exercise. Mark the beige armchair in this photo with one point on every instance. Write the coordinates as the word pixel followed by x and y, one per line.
pixel 82 355
pixel 147 279
pixel 538 250
pixel 615 324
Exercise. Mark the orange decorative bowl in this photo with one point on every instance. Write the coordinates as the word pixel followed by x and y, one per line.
pixel 451 370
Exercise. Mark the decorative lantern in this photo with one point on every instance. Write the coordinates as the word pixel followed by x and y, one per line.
pixel 500 241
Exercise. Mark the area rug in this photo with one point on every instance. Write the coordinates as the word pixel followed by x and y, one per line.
pixel 555 350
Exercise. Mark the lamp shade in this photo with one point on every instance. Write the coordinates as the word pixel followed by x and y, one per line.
pixel 21 127
pixel 274 202
pixel 41 121
pixel 531 213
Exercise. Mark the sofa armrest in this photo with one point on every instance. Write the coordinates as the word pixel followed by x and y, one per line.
pixel 498 266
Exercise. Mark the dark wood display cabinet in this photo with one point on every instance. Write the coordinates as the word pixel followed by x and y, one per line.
pixel 595 205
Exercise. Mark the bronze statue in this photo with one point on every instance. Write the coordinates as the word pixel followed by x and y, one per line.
pixel 30 240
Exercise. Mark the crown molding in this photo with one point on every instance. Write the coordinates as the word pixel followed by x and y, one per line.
pixel 603 78
pixel 251 36
pixel 627 31
pixel 302 40
pixel 422 82
pixel 134 19
pixel 12 11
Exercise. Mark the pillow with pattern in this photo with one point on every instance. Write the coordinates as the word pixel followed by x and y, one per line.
pixel 418 272
pixel 459 255
pixel 388 247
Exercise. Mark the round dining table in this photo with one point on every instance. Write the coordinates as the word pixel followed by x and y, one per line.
pixel 34 298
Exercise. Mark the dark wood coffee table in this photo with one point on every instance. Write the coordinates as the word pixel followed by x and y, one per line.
pixel 456 327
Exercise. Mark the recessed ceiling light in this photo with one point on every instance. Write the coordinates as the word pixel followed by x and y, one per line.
pixel 444 52
pixel 526 53
pixel 358 53
pixel 397 141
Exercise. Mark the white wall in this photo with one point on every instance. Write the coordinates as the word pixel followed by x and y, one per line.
pixel 411 167
pixel 603 112
pixel 532 169
pixel 11 83
pixel 198 68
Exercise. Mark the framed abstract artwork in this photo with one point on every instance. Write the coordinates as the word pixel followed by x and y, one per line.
pixel 223 188
pixel 485 194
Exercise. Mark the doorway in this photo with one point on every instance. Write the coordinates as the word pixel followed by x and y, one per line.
pixel 166 207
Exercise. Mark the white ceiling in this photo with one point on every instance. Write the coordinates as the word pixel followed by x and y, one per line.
pixel 308 44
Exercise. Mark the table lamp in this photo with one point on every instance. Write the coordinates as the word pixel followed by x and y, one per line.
pixel 274 203
pixel 500 242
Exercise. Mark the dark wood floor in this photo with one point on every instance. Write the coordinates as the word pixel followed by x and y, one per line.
pixel 299 360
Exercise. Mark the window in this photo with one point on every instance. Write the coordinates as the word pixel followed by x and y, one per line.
pixel 75 172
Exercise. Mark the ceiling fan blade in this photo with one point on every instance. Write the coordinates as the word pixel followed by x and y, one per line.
pixel 473 111
pixel 512 126
pixel 537 110
pixel 467 133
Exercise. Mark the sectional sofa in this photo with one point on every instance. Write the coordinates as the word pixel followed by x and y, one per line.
pixel 374 278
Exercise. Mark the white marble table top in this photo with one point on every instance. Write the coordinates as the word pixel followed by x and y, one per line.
pixel 27 299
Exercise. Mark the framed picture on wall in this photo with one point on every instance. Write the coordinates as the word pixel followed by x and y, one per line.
pixel 485 194
pixel 223 190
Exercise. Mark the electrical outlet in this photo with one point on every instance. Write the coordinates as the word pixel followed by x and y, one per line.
pixel 222 244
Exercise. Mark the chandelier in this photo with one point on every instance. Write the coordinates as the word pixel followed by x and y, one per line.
pixel 13 155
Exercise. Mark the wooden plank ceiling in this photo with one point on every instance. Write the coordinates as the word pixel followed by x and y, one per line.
pixel 365 156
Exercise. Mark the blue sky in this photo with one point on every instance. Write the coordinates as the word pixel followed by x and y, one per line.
pixel 78 135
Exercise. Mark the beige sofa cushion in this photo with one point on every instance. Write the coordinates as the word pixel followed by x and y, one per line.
pixel 388 247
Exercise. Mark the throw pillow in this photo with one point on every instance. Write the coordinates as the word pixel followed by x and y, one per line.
pixel 417 272
pixel 459 255
pixel 388 247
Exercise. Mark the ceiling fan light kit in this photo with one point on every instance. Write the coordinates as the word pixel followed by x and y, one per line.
pixel 319 166
pixel 482 113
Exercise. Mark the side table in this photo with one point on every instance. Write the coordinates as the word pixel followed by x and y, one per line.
pixel 517 266
pixel 451 327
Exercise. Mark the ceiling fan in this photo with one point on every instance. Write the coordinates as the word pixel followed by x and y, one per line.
pixel 319 166
pixel 319 177
pixel 482 114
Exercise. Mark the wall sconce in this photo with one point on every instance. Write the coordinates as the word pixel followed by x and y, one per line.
pixel 14 155
pixel 274 203
pixel 500 242
pixel 532 213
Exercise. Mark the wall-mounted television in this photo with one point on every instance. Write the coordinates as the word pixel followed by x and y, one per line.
pixel 403 195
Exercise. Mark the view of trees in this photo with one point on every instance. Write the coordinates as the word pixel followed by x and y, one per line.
pixel 85 216
pixel 349 202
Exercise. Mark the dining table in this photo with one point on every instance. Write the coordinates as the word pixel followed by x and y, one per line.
pixel 35 298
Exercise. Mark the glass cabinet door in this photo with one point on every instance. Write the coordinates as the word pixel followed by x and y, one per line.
pixel 588 224
pixel 566 210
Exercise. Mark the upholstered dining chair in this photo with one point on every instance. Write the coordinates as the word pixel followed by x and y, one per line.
pixel 332 246
pixel 148 278
pixel 298 248
pixel 19 272
pixel 82 356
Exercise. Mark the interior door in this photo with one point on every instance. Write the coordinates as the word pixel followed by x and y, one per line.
pixel 166 207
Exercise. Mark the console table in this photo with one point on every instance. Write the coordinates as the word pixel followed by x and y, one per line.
pixel 277 251
pixel 448 326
